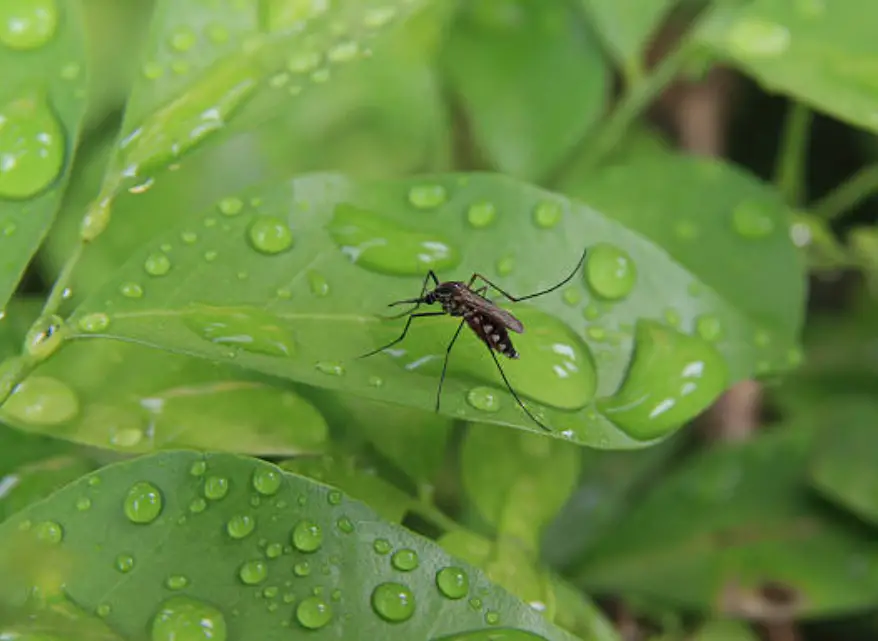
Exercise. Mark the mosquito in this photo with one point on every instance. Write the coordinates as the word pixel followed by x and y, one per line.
pixel 489 322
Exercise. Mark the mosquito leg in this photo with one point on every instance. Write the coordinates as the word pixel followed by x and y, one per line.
pixel 445 363
pixel 431 275
pixel 514 394
pixel 516 299
pixel 404 331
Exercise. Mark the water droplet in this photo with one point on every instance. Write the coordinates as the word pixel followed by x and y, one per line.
pixel 475 603
pixel 176 582
pixel 40 400
pixel 427 196
pixel 303 62
pixel 758 38
pixel 345 525
pixel 131 290
pixel 240 526
pixel 270 235
pixel 610 272
pixel 505 266
pixel 253 572
pixel 376 381
pixel 70 71
pixel 307 536
pixel 671 379
pixel 96 322
pixel 27 24
pixel 481 214
pixel 313 613
pixel 44 337
pixel 83 503
pixel 143 503
pixel 318 283
pixel 572 296
pixel 492 617
pixel 709 327
pixel 230 206
pixel 157 264
pixel 484 399
pixel 404 560
pixel 217 33
pixel 320 75
pixel 103 610
pixel 274 550
pixel 377 17
pixel 124 563
pixel 334 497
pixel 182 39
pixel 547 214
pixel 32 147
pixel 251 329
pixel 189 237
pixel 452 582
pixel 383 246
pixel 197 505
pixel 49 532
pixel 344 51
pixel 215 487
pixel 302 568
pixel 266 481
pixel 752 219
pixel 198 468
pixel 183 618
pixel 393 602
pixel 333 369
pixel 152 70
pixel 382 546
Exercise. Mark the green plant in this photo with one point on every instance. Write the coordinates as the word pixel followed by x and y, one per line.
pixel 194 450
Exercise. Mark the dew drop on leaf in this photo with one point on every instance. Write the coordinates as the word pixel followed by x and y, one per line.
pixel 44 337
pixel 492 617
pixel 176 582
pixel 216 487
pixel 709 327
pixel 266 481
pixel 42 400
pixel 313 613
pixel 250 329
pixel 182 39
pixel 83 503
pixel 27 24
pixel 609 272
pixel 377 17
pixel 752 219
pixel 273 550
pixel 547 214
pixel 96 322
pixel 157 264
pixel 152 70
pixel 484 399
pixel 253 572
pixel 481 214
pixel 230 206
pixel 183 618
pixel 124 563
pixel 382 546
pixel 345 525
pixel 334 497
pixel 344 51
pixel 318 284
pixel 198 468
pixel 333 369
pixel 303 62
pixel 427 196
pixel 404 560
pixel 49 532
pixel 240 526
pixel 307 536
pixel 302 569
pixel 672 317
pixel 270 235
pixel 131 290
pixel 217 33
pixel 376 381
pixel 103 610
pixel 453 582
pixel 393 602
pixel 143 502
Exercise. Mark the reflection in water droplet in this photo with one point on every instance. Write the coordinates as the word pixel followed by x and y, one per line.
pixel 547 214
pixel 270 235
pixel 758 38
pixel 381 245
pixel 143 502
pixel 124 563
pixel 481 214
pixel 248 328
pixel 253 572
pixel 427 196
pixel 484 399
pixel 307 536
pixel 610 272
pixel 752 219
pixel 313 613
pixel 672 378
pixel 452 582
pixel 393 602
pixel 240 526
pixel 404 560
pixel 27 24
pixel 266 481
pixel 183 618
pixel 40 400
pixel 49 532
pixel 215 487
pixel 32 146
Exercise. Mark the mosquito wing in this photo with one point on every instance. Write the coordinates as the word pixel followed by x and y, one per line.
pixel 483 306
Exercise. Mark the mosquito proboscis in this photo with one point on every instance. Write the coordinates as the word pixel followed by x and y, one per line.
pixel 489 322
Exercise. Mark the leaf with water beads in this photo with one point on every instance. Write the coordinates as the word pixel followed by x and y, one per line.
pixel 39 123
pixel 307 313
pixel 127 568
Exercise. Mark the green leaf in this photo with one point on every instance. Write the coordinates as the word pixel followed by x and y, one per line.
pixel 530 77
pixel 843 468
pixel 270 286
pixel 517 481
pixel 42 103
pixel 729 228
pixel 627 25
pixel 304 556
pixel 821 53
pixel 736 532
pixel 725 630
pixel 31 482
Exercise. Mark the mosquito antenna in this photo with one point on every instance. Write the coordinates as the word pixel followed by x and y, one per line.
pixel 516 299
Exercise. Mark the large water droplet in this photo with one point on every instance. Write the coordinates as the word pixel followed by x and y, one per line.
pixel 216 487
pixel 610 272
pixel 393 602
pixel 671 379
pixel 404 560
pixel 753 219
pixel 253 572
pixel 143 503
pixel 307 536
pixel 452 582
pixel 484 399
pixel 383 246
pixel 32 146
pixel 240 526
pixel 49 532
pixel 427 196
pixel 313 613
pixel 183 618
pixel 248 328
pixel 41 400
pixel 270 235
pixel 27 24
pixel 758 38
pixel 266 481
pixel 45 337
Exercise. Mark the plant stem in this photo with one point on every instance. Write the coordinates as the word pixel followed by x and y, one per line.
pixel 791 161
pixel 856 188
pixel 56 295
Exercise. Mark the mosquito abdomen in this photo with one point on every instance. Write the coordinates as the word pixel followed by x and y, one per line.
pixel 492 333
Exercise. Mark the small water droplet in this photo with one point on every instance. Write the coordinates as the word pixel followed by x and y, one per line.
pixel 572 296
pixel 376 381
pixel 334 497
pixel 157 264
pixel 492 617
pixel 93 323
pixel 345 525
pixel 333 369
pixel 270 235
pixel 240 526
pixel 752 219
pixel 70 71
pixel 709 327
pixel 253 572
pixel 313 613
pixel 49 532
pixel 274 550
pixel 344 51
pixel 596 333
pixel 484 399
pixel 302 568
pixel 320 75
pixel 152 70
pixel 143 502
pixel 40 400
pixel 672 317
pixel 453 582
pixel 83 503
pixel 686 230
pixel 393 602
pixel 189 237
pixel 427 196
pixel 176 582
pixel 547 214
pixel 197 505
pixel 303 62
pixel 217 33
pixel 758 38
pixel 475 603
pixel 307 536
pixel 182 618
pixel 182 39
pixel 124 563
pixel 27 24
pixel 377 17
pixel 404 560
pixel 103 610
pixel 131 290
pixel 215 487
pixel 382 546
pixel 610 272
pixel 481 214
pixel 198 468
pixel 266 481
pixel 505 266
pixel 318 283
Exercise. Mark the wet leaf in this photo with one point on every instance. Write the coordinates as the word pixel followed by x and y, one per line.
pixel 42 103
pixel 527 67
pixel 819 52
pixel 725 630
pixel 30 482
pixel 627 25
pixel 224 530
pixel 737 532
pixel 268 283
